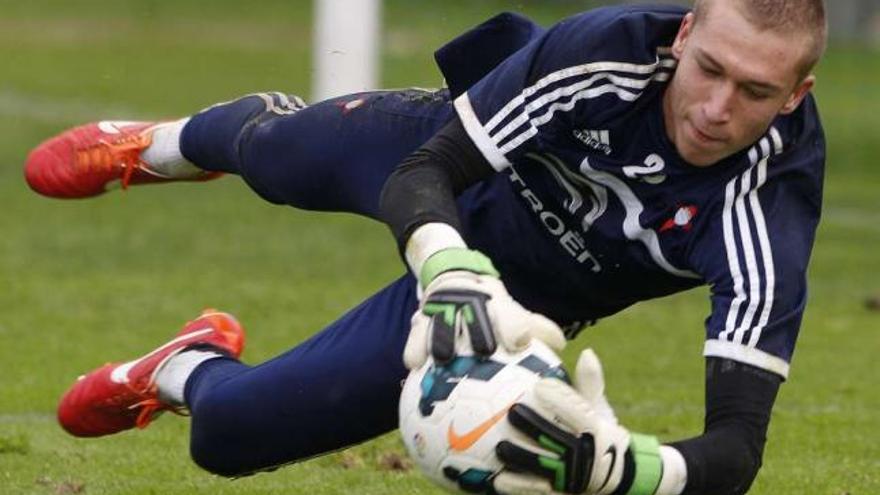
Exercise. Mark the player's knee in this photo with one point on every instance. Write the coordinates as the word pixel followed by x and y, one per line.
pixel 261 149
pixel 237 455
pixel 218 438
pixel 231 456
pixel 228 439
pixel 215 460
pixel 292 161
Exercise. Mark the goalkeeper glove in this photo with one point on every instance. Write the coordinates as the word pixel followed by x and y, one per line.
pixel 579 447
pixel 465 303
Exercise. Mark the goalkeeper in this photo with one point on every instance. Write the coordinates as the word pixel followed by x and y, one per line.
pixel 624 154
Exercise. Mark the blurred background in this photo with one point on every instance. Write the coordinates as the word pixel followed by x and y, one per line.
pixel 347 37
pixel 849 20
pixel 85 282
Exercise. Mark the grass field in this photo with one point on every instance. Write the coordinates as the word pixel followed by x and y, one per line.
pixel 82 282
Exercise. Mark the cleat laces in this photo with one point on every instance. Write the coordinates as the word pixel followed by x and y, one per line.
pixel 151 409
pixel 123 152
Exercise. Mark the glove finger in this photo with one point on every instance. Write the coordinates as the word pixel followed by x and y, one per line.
pixel 547 331
pixel 480 328
pixel 415 353
pixel 560 401
pixel 588 378
pixel 442 309
pixel 511 325
pixel 590 383
pixel 546 433
pixel 517 326
pixel 523 460
pixel 508 483
pixel 442 337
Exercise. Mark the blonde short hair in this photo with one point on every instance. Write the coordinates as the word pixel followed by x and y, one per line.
pixel 805 17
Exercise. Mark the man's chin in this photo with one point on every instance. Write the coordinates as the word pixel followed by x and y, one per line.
pixel 699 158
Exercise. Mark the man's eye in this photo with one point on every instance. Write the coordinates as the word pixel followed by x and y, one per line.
pixel 756 95
pixel 710 71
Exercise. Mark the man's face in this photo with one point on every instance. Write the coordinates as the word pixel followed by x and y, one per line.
pixel 732 80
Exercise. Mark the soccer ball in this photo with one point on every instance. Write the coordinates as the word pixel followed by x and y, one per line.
pixel 453 416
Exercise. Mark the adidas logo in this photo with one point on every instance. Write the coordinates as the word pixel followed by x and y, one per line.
pixel 597 140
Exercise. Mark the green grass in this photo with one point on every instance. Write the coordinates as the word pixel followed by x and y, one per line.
pixel 86 281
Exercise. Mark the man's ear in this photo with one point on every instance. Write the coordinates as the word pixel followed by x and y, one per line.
pixel 684 32
pixel 798 95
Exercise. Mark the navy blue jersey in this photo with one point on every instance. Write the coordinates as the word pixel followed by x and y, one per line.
pixel 608 212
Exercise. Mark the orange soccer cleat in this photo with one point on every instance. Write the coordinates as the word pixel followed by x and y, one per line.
pixel 120 396
pixel 82 162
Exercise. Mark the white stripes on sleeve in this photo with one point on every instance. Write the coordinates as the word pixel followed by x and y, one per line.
pixel 750 258
pixel 559 91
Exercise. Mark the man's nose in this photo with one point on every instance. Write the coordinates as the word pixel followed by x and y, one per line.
pixel 717 108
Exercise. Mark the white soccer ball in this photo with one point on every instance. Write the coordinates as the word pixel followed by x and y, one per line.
pixel 453 416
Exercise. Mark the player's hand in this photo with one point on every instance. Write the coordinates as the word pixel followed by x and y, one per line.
pixel 465 304
pixel 577 444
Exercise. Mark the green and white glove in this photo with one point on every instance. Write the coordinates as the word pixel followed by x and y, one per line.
pixel 577 445
pixel 465 305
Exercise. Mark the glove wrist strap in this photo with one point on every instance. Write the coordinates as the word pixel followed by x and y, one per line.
pixel 645 450
pixel 455 259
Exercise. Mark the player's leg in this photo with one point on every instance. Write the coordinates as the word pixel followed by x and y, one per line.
pixel 339 388
pixel 334 155
pixel 120 396
pixel 331 156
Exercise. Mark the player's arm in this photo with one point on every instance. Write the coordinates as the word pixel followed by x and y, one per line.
pixel 765 226
pixel 726 458
pixel 462 289
pixel 758 296
pixel 422 189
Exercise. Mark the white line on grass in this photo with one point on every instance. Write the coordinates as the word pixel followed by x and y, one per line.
pixel 855 218
pixel 27 417
pixel 14 104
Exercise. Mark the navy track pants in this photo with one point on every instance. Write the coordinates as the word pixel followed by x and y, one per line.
pixel 341 386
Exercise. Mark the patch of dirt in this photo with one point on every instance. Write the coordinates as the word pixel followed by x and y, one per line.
pixel 394 461
pixel 61 487
pixel 351 461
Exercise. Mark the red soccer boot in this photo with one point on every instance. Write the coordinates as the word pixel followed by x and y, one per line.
pixel 82 162
pixel 120 396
